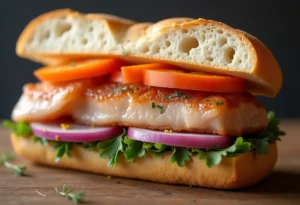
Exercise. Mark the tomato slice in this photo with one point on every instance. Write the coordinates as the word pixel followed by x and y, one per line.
pixel 116 77
pixel 134 73
pixel 78 70
pixel 193 81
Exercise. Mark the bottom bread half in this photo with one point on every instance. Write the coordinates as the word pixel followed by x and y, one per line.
pixel 233 172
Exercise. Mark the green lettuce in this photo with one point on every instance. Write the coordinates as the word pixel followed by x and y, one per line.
pixel 112 149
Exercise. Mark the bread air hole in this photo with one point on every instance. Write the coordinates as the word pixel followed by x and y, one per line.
pixel 202 38
pixel 222 41
pixel 84 41
pixel 62 28
pixel 168 44
pixel 187 44
pixel 91 29
pixel 229 55
pixel 144 49
pixel 101 35
pixel 156 50
pixel 184 30
pixel 209 59
pixel 45 35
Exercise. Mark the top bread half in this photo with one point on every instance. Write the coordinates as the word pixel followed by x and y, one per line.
pixel 63 35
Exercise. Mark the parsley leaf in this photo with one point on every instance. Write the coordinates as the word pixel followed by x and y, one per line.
pixel 6 157
pixel 153 105
pixel 67 193
pixel 112 148
pixel 134 148
pixel 43 141
pixel 62 148
pixel 214 157
pixel 180 155
pixel 19 129
pixel 176 95
pixel 160 107
pixel 19 169
pixel 219 103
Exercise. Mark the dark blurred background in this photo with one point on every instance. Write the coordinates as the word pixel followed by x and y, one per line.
pixel 273 22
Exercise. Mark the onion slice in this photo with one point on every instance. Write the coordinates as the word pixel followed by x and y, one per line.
pixel 188 140
pixel 74 132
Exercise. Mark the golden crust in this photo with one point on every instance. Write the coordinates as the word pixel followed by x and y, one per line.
pixel 234 172
pixel 265 78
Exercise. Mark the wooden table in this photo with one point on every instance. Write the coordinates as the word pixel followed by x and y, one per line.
pixel 282 187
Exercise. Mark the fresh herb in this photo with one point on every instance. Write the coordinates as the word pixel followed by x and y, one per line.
pixel 6 157
pixel 19 129
pixel 124 52
pixel 72 64
pixel 76 198
pixel 112 148
pixel 19 169
pixel 91 146
pixel 153 105
pixel 176 95
pixel 134 149
pixel 43 141
pixel 62 148
pixel 214 157
pixel 219 103
pixel 180 155
pixel 160 107
pixel 121 90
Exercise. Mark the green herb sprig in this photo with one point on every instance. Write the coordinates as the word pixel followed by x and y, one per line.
pixel 112 148
pixel 160 107
pixel 67 193
pixel 18 169
pixel 62 148
pixel 177 95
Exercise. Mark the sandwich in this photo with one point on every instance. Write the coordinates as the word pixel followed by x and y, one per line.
pixel 170 102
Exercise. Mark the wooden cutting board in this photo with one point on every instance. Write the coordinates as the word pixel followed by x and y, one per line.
pixel 282 187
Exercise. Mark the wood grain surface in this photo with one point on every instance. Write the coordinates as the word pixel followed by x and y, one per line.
pixel 282 187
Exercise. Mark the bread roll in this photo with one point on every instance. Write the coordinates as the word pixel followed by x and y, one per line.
pixel 199 45
pixel 233 172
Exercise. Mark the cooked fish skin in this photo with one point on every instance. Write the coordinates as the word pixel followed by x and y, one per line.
pixel 110 104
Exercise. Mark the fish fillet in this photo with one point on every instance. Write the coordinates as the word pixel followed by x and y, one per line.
pixel 105 104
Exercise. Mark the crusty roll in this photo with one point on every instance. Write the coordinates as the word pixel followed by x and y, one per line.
pixel 233 172
pixel 198 45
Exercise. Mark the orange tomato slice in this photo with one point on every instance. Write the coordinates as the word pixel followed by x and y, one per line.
pixel 193 81
pixel 134 73
pixel 78 70
pixel 116 77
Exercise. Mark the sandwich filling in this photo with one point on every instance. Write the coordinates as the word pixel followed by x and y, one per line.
pixel 211 124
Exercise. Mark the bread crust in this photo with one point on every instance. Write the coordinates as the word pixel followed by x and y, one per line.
pixel 265 78
pixel 233 172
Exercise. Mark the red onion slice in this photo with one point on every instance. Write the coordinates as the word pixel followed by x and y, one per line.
pixel 188 140
pixel 74 132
